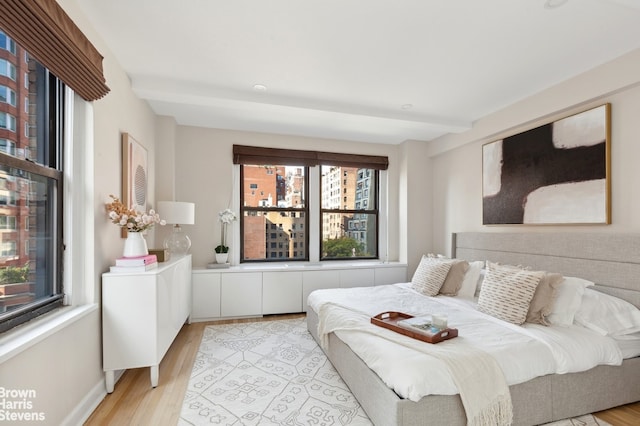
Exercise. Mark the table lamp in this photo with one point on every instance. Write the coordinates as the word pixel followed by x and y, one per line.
pixel 177 213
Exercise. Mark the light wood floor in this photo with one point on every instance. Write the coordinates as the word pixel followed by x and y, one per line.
pixel 135 402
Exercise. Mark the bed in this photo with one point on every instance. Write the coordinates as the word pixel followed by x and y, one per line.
pixel 611 261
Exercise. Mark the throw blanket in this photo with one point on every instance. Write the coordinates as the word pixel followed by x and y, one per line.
pixel 478 377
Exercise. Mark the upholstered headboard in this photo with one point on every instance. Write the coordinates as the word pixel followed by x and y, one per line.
pixel 612 261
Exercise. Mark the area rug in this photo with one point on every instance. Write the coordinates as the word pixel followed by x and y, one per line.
pixel 266 373
pixel 274 373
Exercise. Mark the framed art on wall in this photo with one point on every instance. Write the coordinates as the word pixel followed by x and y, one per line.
pixel 134 175
pixel 557 173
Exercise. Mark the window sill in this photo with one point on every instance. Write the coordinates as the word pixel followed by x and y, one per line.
pixel 267 267
pixel 15 341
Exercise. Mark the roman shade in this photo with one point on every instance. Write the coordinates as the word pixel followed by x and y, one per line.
pixel 44 29
pixel 292 157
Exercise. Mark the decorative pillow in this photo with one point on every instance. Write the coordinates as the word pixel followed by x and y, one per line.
pixel 453 282
pixel 430 275
pixel 543 299
pixel 568 299
pixel 507 292
pixel 607 315
pixel 471 279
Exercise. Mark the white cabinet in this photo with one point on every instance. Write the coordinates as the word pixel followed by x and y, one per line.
pixel 316 280
pixel 251 291
pixel 241 294
pixel 205 303
pixel 281 292
pixel 142 312
pixel 357 277
pixel 391 275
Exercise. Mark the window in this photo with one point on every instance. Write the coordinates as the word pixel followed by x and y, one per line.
pixel 8 222
pixel 350 228
pixel 7 146
pixel 6 43
pixel 7 96
pixel 344 230
pixel 7 249
pixel 7 121
pixel 281 207
pixel 32 194
pixel 7 69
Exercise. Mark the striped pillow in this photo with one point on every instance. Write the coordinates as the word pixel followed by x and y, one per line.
pixel 507 292
pixel 430 275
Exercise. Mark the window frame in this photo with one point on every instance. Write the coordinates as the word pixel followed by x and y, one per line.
pixel 48 165
pixel 265 210
pixel 313 160
pixel 356 211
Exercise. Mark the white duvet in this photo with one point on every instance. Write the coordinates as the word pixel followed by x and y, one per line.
pixel 522 352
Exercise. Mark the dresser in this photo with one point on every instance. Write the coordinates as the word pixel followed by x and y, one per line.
pixel 142 312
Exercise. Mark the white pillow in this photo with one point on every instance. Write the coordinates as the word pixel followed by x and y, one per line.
pixel 471 278
pixel 430 275
pixel 568 300
pixel 507 292
pixel 607 315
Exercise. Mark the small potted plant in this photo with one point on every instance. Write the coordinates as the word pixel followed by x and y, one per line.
pixel 225 217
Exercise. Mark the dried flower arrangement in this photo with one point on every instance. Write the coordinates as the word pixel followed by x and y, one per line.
pixel 130 219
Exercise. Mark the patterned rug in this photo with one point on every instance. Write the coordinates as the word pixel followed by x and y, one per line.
pixel 266 373
pixel 274 373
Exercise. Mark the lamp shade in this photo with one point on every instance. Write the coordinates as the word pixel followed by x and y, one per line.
pixel 177 212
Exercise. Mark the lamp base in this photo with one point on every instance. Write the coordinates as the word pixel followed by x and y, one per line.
pixel 178 243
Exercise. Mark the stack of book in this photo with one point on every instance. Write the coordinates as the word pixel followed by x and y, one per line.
pixel 135 264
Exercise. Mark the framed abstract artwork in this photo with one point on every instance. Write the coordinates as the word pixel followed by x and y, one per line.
pixel 557 173
pixel 134 175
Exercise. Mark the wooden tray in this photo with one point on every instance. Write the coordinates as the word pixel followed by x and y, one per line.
pixel 390 319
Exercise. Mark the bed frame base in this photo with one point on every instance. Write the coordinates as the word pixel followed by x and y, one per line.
pixel 541 400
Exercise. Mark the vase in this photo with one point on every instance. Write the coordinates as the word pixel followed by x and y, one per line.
pixel 135 245
pixel 222 257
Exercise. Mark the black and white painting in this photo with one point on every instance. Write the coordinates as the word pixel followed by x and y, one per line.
pixel 557 173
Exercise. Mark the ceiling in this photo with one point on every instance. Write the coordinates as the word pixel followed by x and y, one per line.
pixel 377 71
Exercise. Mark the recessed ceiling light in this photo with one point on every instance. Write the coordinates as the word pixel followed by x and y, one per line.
pixel 406 106
pixel 259 87
pixel 552 4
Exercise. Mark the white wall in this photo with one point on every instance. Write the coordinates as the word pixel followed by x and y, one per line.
pixel 65 369
pixel 456 160
pixel 204 176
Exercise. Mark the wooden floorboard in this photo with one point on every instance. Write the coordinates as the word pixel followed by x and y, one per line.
pixel 135 402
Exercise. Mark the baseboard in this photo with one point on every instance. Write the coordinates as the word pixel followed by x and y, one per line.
pixel 89 403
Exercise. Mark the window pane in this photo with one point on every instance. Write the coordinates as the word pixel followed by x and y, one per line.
pixel 27 253
pixel 348 188
pixel 274 235
pixel 273 186
pixel 7 69
pixel 349 235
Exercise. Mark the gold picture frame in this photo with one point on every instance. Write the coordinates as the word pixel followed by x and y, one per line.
pixel 555 174
pixel 134 175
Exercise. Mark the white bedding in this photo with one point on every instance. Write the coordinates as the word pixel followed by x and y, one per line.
pixel 523 353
